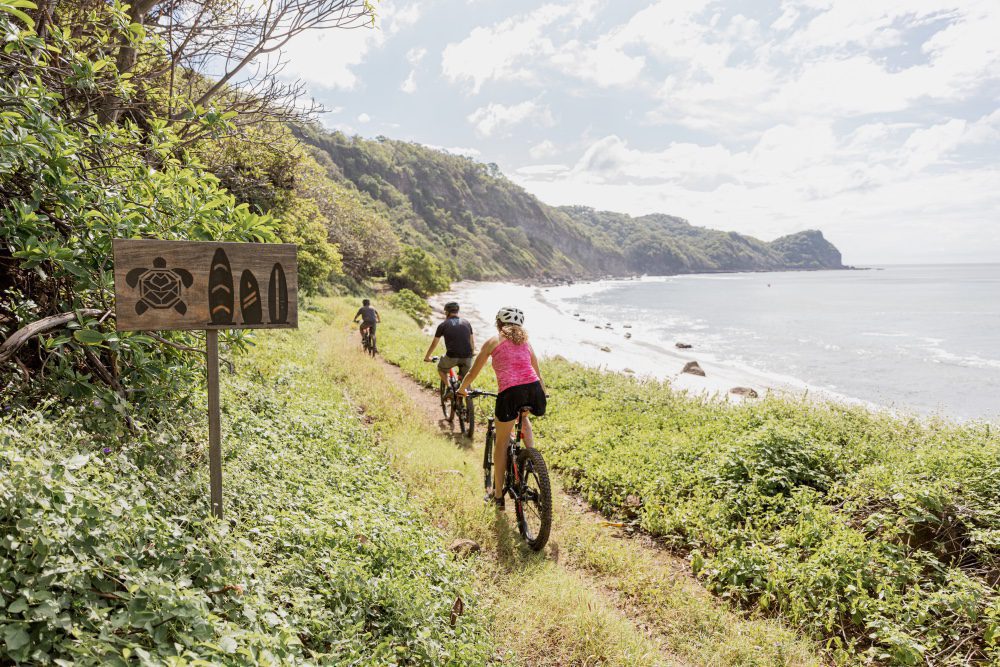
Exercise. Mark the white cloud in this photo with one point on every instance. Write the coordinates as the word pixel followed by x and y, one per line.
pixel 503 51
pixel 364 118
pixel 410 84
pixel 493 117
pixel 413 56
pixel 542 150
pixel 328 57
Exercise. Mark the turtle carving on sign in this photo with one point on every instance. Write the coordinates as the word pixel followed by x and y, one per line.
pixel 159 287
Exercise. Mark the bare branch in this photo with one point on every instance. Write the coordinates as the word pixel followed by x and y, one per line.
pixel 17 339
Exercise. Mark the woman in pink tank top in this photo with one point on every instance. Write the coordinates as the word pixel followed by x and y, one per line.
pixel 520 386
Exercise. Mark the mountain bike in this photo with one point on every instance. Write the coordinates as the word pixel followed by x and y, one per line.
pixel 368 341
pixel 453 405
pixel 526 481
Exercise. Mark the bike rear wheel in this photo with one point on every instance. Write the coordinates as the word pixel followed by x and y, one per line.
pixel 533 504
pixel 443 391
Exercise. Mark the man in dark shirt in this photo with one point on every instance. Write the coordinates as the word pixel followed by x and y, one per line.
pixel 459 343
pixel 369 317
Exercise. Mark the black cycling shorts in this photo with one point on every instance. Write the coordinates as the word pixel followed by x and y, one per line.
pixel 512 399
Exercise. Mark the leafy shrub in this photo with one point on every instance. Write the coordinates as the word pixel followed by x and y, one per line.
pixel 70 185
pixel 417 270
pixel 413 305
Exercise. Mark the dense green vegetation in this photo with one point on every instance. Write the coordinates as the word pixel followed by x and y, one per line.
pixel 471 217
pixel 876 534
pixel 591 597
pixel 108 554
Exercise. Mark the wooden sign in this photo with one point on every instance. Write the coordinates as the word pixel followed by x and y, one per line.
pixel 161 285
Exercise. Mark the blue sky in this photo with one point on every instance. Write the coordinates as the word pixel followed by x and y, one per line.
pixel 877 122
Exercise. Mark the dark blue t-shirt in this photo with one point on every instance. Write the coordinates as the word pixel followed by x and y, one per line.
pixel 457 334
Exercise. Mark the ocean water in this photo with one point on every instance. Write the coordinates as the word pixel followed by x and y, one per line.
pixel 922 339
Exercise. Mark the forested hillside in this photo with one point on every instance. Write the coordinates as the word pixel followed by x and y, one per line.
pixel 484 226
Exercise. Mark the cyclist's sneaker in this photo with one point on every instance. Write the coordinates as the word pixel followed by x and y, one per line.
pixel 497 503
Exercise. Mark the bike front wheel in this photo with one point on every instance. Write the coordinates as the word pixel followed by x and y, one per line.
pixel 470 419
pixel 488 462
pixel 458 405
pixel 533 504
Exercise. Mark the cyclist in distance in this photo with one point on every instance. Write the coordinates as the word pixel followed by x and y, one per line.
pixel 369 317
pixel 519 385
pixel 459 343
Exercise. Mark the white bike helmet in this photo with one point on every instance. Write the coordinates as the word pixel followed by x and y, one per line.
pixel 508 315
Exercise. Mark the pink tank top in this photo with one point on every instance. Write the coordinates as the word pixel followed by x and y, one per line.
pixel 512 364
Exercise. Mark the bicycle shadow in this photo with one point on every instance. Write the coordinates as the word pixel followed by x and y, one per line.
pixel 513 553
pixel 450 431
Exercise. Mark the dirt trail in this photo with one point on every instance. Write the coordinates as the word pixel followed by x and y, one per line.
pixel 651 589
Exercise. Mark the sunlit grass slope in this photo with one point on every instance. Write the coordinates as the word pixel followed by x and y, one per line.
pixel 109 556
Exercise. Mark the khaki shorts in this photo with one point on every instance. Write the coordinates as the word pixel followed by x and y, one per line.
pixel 463 363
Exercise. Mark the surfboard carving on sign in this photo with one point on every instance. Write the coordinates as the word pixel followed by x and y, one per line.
pixel 220 289
pixel 162 285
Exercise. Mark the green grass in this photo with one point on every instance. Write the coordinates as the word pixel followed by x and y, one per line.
pixel 111 558
pixel 877 535
pixel 594 590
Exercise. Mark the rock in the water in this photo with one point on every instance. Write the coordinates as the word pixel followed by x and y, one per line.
pixel 463 547
pixel 605 348
pixel 627 326
pixel 743 391
pixel 693 368
pixel 628 335
pixel 628 370
pixel 683 346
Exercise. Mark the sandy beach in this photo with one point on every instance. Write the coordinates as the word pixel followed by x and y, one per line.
pixel 557 330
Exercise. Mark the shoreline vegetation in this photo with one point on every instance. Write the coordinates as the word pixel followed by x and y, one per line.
pixel 876 535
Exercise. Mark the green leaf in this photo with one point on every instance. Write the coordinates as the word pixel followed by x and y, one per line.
pixel 88 336
pixel 18 606
pixel 15 637
pixel 77 461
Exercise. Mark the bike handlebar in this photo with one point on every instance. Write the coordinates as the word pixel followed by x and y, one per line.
pixel 479 392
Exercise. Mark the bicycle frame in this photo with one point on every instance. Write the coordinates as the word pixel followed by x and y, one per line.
pixel 511 476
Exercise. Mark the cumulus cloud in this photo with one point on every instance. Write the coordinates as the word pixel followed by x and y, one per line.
pixel 514 49
pixel 364 118
pixel 413 56
pixel 494 117
pixel 328 57
pixel 542 150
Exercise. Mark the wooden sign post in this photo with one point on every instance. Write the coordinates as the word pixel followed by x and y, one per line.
pixel 185 285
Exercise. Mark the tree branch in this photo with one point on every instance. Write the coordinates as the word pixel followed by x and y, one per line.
pixel 17 339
